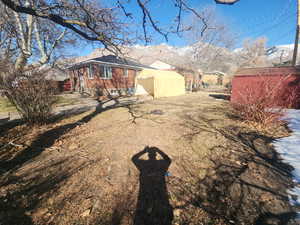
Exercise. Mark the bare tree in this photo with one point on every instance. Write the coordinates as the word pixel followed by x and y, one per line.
pixel 253 53
pixel 211 49
pixel 94 22
pixel 36 36
pixel 91 20
pixel 31 94
pixel 32 35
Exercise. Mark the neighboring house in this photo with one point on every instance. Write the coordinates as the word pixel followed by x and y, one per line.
pixel 192 78
pixel 56 74
pixel 213 78
pixel 106 75
pixel 60 78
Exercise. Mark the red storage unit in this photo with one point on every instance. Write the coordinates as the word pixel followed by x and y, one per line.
pixel 279 85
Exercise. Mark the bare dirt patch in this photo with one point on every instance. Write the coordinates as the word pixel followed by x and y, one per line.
pixel 80 170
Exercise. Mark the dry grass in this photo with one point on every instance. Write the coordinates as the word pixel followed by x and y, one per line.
pixel 79 171
pixel 6 106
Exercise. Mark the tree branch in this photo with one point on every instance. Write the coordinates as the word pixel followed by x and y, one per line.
pixel 146 14
pixel 57 40
pixel 39 42
pixel 99 36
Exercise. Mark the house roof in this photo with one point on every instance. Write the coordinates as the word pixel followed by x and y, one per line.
pixel 162 65
pixel 114 60
pixel 186 71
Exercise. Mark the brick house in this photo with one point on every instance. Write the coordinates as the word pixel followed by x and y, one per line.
pixel 213 78
pixel 192 78
pixel 106 75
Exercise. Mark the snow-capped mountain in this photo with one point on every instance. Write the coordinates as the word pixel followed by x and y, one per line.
pixel 198 56
pixel 282 51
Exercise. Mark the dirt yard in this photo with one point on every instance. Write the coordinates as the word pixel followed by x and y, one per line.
pixel 205 167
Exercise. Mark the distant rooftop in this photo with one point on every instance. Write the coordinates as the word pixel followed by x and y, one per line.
pixel 215 73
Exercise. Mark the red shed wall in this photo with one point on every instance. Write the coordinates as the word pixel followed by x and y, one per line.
pixel 251 85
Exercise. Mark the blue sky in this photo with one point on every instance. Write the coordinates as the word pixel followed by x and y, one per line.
pixel 273 19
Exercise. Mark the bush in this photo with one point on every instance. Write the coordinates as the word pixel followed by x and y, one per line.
pixel 31 94
pixel 265 102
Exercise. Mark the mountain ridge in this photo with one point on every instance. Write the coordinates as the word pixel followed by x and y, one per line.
pixel 197 56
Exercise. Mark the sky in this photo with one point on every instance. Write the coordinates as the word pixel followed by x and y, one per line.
pixel 248 19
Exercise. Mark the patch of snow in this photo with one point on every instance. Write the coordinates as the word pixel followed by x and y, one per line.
pixel 238 50
pixel 289 148
pixel 283 51
pixel 184 50
pixel 140 90
pixel 288 46
pixel 140 46
pixel 163 44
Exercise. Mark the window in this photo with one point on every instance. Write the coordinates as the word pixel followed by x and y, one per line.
pixel 106 72
pixel 90 72
pixel 125 72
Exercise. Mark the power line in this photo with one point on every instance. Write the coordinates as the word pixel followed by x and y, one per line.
pixel 269 28
pixel 284 10
pixel 291 31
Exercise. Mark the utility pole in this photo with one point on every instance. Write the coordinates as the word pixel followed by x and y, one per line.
pixel 297 35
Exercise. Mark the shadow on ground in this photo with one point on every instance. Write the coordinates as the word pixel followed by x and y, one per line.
pixel 47 139
pixel 17 205
pixel 31 187
pixel 247 182
pixel 220 96
pixel 153 205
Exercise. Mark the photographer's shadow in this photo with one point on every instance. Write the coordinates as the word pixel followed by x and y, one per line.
pixel 153 205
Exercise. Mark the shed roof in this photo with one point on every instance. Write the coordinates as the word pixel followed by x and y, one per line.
pixel 284 70
pixel 160 74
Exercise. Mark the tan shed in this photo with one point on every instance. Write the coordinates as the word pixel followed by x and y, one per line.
pixel 161 83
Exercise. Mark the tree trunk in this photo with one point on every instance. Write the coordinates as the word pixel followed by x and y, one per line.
pixel 21 62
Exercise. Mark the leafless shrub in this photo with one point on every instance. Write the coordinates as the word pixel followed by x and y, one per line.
pixel 31 94
pixel 264 102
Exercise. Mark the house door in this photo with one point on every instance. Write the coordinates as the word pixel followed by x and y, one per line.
pixel 81 81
